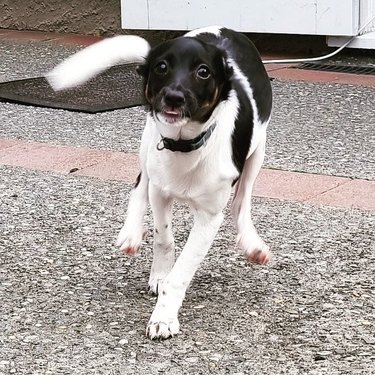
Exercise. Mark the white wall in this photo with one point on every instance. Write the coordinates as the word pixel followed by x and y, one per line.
pixel 315 17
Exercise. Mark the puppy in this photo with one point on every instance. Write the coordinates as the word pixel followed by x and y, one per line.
pixel 210 102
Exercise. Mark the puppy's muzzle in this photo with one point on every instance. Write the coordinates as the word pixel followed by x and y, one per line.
pixel 174 98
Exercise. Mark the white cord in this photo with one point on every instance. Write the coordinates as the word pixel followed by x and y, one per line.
pixel 311 59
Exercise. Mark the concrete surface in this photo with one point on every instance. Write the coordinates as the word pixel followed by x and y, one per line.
pixel 72 304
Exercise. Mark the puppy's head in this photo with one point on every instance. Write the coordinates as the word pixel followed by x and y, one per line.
pixel 185 78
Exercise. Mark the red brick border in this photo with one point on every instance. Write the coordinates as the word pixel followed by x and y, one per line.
pixel 276 184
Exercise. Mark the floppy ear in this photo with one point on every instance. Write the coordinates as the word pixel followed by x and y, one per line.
pixel 142 70
pixel 222 58
pixel 228 70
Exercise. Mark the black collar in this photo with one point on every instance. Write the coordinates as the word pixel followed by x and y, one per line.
pixel 186 145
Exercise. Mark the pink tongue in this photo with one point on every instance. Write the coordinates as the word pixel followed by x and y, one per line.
pixel 171 112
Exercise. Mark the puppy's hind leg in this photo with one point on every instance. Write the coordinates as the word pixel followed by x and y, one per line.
pixel 164 246
pixel 130 237
pixel 248 240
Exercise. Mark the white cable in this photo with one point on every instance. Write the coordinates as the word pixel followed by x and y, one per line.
pixel 311 59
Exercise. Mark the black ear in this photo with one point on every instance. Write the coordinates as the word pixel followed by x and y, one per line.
pixel 228 70
pixel 142 70
pixel 221 58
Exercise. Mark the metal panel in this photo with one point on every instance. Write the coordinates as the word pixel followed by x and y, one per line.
pixel 366 41
pixel 337 17
pixel 134 14
pixel 317 17
pixel 367 11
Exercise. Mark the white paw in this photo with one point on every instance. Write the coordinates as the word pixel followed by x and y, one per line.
pixel 130 239
pixel 159 272
pixel 254 248
pixel 162 328
pixel 154 282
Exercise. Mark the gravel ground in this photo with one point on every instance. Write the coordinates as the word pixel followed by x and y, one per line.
pixel 316 128
pixel 72 304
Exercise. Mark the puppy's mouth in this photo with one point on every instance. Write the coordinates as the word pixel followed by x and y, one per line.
pixel 171 115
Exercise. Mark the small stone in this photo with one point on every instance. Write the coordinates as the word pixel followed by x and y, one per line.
pixel 319 357
pixel 216 357
pixel 369 340
pixel 123 342
pixel 31 339
pixel 65 277
pixel 192 359
pixel 199 307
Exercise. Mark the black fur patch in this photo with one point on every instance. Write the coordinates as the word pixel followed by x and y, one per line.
pixel 243 129
pixel 240 49
pixel 138 180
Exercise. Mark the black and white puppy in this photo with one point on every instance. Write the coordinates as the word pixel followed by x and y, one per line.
pixel 210 103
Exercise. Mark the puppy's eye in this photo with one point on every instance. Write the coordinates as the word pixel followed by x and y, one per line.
pixel 203 72
pixel 161 68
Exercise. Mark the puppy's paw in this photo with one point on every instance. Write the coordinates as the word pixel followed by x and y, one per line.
pixel 157 276
pixel 162 328
pixel 259 255
pixel 154 283
pixel 129 241
pixel 254 248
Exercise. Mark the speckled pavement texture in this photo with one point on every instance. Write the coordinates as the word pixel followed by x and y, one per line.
pixel 70 303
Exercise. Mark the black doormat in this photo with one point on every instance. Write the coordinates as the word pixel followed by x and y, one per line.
pixel 118 87
pixel 341 68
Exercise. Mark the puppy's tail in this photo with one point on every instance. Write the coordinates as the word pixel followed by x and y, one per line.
pixel 89 62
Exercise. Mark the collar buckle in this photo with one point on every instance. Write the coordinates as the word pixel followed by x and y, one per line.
pixel 186 145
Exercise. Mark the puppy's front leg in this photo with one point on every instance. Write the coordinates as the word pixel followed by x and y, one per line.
pixel 164 321
pixel 163 248
pixel 130 237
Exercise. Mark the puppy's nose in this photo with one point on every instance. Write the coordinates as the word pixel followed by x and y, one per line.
pixel 174 98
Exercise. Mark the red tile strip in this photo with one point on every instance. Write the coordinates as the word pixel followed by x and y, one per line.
pixel 320 76
pixel 276 184
pixel 64 159
pixel 295 186
pixel 353 194
pixel 40 36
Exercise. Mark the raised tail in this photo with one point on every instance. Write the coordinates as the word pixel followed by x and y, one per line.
pixel 89 62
